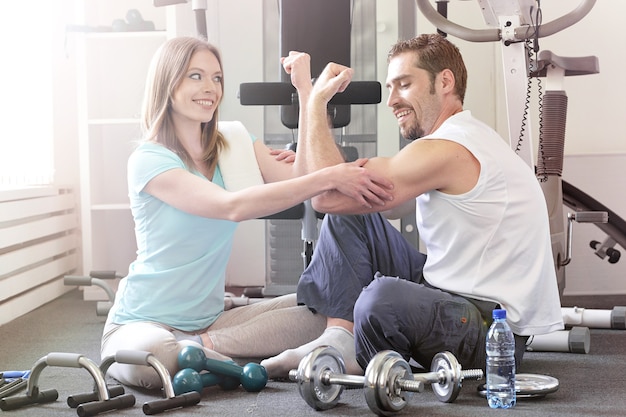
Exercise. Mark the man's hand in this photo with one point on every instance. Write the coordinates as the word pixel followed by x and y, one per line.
pixel 334 79
pixel 298 65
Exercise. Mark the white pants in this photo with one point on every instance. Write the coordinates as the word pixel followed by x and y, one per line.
pixel 258 330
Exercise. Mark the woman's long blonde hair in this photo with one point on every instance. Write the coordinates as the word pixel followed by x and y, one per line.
pixel 167 69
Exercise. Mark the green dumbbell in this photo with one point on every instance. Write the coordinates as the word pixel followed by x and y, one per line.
pixel 252 376
pixel 188 380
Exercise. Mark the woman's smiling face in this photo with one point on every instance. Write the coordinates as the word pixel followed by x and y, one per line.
pixel 199 93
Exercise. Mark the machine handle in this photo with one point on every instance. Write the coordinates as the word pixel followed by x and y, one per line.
pixel 491 35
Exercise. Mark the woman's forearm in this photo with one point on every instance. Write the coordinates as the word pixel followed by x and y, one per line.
pixel 262 200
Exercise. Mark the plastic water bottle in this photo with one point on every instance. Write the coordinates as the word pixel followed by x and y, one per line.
pixel 500 363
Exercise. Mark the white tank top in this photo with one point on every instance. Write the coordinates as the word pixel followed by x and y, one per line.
pixel 493 242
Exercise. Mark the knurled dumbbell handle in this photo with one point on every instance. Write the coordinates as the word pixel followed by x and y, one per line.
pixel 417 384
pixel 329 378
pixel 441 376
pixel 410 385
pixel 472 374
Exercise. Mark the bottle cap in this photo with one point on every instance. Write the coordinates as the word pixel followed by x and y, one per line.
pixel 499 313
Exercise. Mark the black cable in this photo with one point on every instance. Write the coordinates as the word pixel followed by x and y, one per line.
pixel 536 23
pixel 532 48
pixel 520 139
pixel 542 156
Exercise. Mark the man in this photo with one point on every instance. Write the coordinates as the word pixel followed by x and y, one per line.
pixel 480 212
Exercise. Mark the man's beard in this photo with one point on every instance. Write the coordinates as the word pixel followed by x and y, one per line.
pixel 414 131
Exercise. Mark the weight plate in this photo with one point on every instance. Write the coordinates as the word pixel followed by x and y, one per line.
pixel 310 377
pixel 447 367
pixel 529 386
pixel 382 393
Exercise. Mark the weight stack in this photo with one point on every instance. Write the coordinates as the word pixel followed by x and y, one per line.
pixel 552 144
pixel 284 256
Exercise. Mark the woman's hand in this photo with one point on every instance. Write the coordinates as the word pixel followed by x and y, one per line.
pixel 361 184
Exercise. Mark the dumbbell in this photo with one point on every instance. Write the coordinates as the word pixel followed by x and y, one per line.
pixel 252 376
pixel 446 376
pixel 388 380
pixel 188 380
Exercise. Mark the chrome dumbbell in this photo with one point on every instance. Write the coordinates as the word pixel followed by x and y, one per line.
pixel 388 381
pixel 321 378
pixel 446 376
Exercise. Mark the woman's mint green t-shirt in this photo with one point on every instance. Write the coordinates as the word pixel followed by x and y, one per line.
pixel 178 276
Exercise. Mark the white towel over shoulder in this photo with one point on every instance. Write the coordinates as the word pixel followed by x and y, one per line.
pixel 238 163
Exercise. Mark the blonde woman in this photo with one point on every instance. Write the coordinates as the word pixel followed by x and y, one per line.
pixel 185 219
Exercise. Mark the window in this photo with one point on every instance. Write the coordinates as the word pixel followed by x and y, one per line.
pixel 26 125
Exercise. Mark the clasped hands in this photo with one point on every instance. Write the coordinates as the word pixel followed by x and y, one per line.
pixel 367 187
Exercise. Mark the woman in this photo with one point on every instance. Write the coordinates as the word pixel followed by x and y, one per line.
pixel 184 218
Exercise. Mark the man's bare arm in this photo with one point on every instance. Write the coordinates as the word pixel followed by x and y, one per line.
pixel 320 148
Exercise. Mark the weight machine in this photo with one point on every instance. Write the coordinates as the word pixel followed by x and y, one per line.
pixel 517 25
pixel 299 24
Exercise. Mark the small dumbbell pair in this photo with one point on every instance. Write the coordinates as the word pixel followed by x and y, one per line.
pixel 226 374
pixel 388 380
